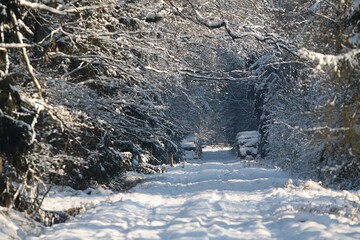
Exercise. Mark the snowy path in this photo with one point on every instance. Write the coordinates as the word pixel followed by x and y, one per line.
pixel 215 198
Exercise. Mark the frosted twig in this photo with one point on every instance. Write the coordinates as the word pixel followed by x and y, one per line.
pixel 40 6
pixel 14 45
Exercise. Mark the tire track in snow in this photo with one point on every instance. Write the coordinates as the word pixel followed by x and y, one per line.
pixel 213 198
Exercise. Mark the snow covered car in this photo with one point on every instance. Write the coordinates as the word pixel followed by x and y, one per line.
pixel 191 146
pixel 247 144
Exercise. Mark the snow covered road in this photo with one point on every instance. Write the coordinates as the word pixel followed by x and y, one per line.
pixel 214 198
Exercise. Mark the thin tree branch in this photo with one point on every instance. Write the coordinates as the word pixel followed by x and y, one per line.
pixel 23 49
pixel 268 38
pixel 14 45
pixel 40 6
pixel 6 57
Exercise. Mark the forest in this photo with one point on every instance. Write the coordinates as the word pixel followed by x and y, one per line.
pixel 83 82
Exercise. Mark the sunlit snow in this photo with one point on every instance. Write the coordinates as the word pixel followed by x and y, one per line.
pixel 217 197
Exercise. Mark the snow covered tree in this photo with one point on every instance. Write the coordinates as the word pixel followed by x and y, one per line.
pixel 83 82
pixel 94 85
pixel 314 122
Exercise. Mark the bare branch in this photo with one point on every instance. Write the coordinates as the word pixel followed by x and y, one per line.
pixel 14 45
pixel 6 57
pixel 262 37
pixel 211 25
pixel 203 77
pixel 26 58
pixel 40 6
pixel 79 9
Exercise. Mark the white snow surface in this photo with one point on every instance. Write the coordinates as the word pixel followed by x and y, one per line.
pixel 217 197
pixel 248 138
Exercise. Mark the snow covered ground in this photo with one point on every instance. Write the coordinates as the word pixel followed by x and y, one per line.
pixel 217 197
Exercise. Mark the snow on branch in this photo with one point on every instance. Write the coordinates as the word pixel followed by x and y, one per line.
pixel 201 76
pixel 212 25
pixel 84 8
pixel 330 60
pixel 219 23
pixel 14 45
pixel 312 129
pixel 40 6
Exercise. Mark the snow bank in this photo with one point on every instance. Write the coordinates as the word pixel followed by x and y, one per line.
pixel 248 138
pixel 15 225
